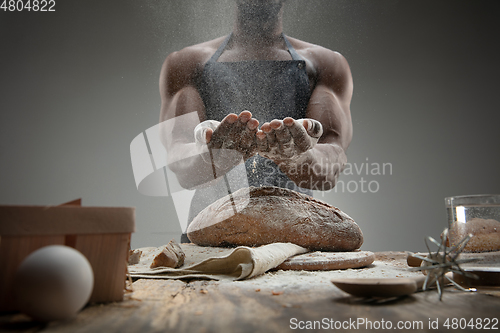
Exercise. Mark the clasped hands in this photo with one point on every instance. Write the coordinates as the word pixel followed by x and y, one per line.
pixel 279 140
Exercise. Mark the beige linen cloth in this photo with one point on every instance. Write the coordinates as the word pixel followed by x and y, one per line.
pixel 219 264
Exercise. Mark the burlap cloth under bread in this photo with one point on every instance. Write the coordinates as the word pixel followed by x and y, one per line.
pixel 218 263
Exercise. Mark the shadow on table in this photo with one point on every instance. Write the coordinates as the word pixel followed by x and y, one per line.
pixel 376 301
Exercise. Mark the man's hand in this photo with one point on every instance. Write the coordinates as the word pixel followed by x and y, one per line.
pixel 232 138
pixel 288 139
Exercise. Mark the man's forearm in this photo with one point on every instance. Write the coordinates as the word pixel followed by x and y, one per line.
pixel 316 169
pixel 196 167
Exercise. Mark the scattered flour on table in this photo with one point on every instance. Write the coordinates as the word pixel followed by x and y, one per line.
pixel 386 265
pixel 385 268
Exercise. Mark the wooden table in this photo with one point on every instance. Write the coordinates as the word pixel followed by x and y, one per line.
pixel 212 306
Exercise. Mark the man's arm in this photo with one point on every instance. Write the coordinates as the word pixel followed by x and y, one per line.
pixel 181 110
pixel 318 166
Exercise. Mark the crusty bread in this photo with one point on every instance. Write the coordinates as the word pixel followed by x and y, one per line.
pixel 262 215
pixel 134 257
pixel 170 256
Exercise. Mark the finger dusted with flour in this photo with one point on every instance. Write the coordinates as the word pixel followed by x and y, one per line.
pixel 288 139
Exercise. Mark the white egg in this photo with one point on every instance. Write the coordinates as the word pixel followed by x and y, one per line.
pixel 52 283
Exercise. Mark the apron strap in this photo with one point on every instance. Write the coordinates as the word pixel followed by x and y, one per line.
pixel 221 48
pixel 217 54
pixel 291 50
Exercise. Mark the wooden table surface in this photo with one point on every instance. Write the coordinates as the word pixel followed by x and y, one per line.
pixel 212 306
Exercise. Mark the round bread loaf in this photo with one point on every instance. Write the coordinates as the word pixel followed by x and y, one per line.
pixel 257 216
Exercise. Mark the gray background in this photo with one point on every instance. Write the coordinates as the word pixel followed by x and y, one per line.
pixel 77 85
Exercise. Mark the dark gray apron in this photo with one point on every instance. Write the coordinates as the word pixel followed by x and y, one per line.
pixel 268 89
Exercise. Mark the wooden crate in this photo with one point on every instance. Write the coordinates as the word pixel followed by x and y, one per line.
pixel 102 234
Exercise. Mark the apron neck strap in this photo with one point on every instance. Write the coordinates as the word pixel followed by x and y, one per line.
pixel 291 50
